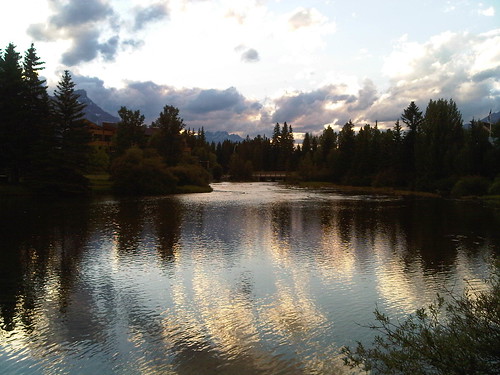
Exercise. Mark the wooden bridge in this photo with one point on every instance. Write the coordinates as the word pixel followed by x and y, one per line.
pixel 270 175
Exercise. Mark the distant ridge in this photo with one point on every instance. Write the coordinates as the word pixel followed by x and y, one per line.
pixel 221 136
pixel 495 117
pixel 93 112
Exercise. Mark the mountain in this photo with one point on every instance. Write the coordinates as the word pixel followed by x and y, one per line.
pixel 93 112
pixel 221 136
pixel 495 117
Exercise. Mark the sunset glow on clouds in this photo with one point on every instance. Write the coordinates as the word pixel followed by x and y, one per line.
pixel 243 65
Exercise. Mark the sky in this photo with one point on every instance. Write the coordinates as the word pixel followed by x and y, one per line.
pixel 243 65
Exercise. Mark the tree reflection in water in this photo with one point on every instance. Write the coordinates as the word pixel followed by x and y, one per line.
pixel 252 278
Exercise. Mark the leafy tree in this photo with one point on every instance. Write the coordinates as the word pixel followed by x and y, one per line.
pixel 141 172
pixel 460 336
pixel 168 141
pixel 130 130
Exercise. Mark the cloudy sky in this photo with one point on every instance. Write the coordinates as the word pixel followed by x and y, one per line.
pixel 243 65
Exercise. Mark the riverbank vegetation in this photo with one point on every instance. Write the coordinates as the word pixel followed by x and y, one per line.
pixel 460 335
pixel 45 142
pixel 427 152
pixel 45 147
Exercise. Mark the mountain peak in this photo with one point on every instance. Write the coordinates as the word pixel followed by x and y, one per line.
pixel 92 111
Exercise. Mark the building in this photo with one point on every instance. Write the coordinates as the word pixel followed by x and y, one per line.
pixel 102 135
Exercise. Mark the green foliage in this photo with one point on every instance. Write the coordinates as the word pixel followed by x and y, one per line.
pixel 440 140
pixel 71 137
pixel 470 186
pixel 239 169
pixel 190 174
pixel 99 160
pixel 130 130
pixel 217 172
pixel 168 140
pixel 495 187
pixel 141 172
pixel 15 138
pixel 459 336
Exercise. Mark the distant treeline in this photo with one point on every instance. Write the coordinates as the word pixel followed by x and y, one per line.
pixel 427 152
pixel 44 146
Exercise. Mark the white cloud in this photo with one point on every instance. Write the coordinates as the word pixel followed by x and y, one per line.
pixel 488 12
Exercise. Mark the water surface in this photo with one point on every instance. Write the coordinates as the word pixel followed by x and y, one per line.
pixel 250 279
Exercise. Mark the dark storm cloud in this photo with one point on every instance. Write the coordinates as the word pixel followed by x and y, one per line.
pixel 250 55
pixel 84 23
pixel 212 109
pixel 216 100
pixel 493 73
pixel 86 47
pixel 145 15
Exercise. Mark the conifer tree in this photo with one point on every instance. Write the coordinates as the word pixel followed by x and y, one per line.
pixel 12 130
pixel 37 113
pixel 71 136
pixel 412 117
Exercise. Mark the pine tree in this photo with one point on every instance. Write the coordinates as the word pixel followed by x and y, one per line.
pixel 12 129
pixel 71 135
pixel 37 114
pixel 412 118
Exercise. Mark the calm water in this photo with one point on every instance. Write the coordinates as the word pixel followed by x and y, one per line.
pixel 249 279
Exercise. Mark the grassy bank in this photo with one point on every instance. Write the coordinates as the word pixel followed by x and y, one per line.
pixel 365 189
pixel 491 200
pixel 13 190
pixel 100 183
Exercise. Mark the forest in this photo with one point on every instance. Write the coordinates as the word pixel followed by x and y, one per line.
pixel 44 146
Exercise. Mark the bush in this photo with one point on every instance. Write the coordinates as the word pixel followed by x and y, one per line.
pixel 139 172
pixel 495 187
pixel 190 174
pixel 470 185
pixel 458 337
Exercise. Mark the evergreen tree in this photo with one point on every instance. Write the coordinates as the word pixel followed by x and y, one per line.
pixel 286 147
pixel 440 143
pixel 328 143
pixel 37 115
pixel 13 130
pixel 346 149
pixel 306 144
pixel 72 137
pixel 412 118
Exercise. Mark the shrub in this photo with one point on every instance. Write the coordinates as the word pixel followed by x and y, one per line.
pixel 190 174
pixel 458 337
pixel 470 185
pixel 139 172
pixel 495 187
